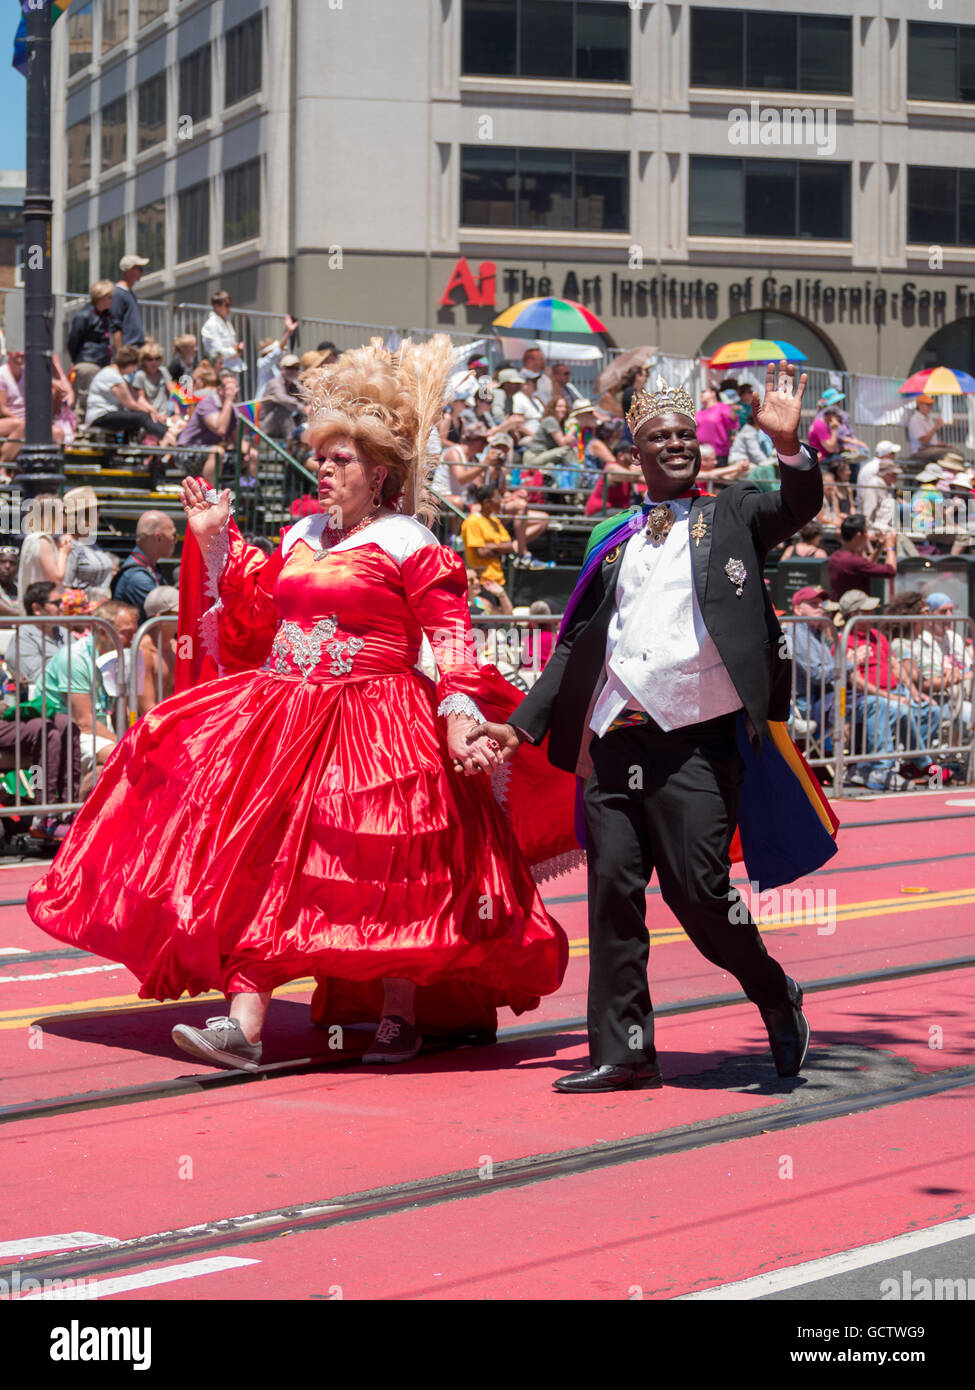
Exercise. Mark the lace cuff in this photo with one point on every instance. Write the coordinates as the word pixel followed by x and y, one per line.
pixel 460 704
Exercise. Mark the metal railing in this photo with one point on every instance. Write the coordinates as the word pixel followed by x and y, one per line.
pixel 39 728
pixel 138 693
pixel 880 692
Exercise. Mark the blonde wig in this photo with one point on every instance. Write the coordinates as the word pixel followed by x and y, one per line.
pixel 388 404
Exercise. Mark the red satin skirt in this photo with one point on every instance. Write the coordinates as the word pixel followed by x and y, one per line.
pixel 258 829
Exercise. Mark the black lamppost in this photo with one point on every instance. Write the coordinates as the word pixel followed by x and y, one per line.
pixel 39 461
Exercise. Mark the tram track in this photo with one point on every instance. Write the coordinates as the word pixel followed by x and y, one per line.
pixel 170 1088
pixel 206 1238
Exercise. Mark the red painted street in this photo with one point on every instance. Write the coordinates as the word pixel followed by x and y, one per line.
pixel 462 1175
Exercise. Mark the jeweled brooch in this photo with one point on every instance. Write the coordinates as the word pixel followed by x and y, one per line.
pixel 737 573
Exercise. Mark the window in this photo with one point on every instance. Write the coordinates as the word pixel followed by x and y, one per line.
pixel 194 85
pixel 111 248
pixel 569 39
pixel 941 206
pixel 791 198
pixel 80 31
pixel 150 234
pixel 771 51
pixel 194 222
pixel 243 57
pixel 79 152
pixel 242 203
pixel 548 189
pixel 150 10
pixel 115 23
pixel 941 62
pixel 152 111
pixel 79 264
pixel 113 133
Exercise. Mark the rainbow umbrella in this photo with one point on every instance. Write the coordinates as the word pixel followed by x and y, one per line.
pixel 939 381
pixel 550 318
pixel 751 350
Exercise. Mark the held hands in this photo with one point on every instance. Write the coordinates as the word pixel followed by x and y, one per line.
pixel 778 413
pixel 203 518
pixel 504 735
pixel 470 752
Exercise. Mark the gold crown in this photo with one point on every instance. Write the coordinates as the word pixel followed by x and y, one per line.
pixel 647 404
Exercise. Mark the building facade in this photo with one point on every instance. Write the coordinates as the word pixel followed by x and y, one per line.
pixel 694 172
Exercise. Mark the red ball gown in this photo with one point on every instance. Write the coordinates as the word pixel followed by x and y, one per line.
pixel 304 818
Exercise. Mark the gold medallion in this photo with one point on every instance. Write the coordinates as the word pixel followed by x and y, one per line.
pixel 659 521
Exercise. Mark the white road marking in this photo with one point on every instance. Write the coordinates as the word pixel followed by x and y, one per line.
pixel 36 1245
pixel 58 974
pixel 14 951
pixel 796 1275
pixel 168 1274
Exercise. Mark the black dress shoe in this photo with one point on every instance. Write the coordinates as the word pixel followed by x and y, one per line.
pixel 635 1076
pixel 788 1032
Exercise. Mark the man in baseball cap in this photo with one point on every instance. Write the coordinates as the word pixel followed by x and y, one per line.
pixel 853 601
pixel 815 670
pixel 127 326
pixel 875 484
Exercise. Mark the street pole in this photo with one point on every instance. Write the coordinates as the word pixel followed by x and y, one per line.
pixel 39 461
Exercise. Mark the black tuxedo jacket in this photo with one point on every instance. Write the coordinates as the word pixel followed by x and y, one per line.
pixel 741 523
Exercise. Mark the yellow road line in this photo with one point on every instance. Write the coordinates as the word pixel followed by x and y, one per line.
pixel 578 946
pixel 662 936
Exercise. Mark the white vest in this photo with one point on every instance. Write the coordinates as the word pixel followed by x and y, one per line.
pixel 659 655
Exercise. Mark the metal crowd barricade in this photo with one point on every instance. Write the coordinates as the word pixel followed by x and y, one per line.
pixel 36 772
pixel 135 676
pixel 920 707
pixel 816 688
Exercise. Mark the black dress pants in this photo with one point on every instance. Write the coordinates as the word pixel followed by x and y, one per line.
pixel 666 802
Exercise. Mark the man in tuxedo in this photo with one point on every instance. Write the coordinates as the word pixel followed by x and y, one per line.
pixel 668 646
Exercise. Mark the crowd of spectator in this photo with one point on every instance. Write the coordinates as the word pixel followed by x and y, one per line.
pixel 64 680
pixel 524 453
pixel 899 692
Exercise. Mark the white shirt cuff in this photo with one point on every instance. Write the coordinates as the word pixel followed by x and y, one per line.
pixel 802 460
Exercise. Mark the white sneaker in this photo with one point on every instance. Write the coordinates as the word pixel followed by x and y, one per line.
pixel 395 1041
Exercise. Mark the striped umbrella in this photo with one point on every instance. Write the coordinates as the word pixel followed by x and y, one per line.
pixel 752 350
pixel 939 381
pixel 551 319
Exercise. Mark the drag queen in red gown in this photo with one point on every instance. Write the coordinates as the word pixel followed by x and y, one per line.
pixel 318 808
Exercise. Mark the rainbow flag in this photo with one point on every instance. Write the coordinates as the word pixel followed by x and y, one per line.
pixel 58 8
pixel 250 410
pixel 183 397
